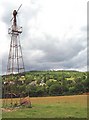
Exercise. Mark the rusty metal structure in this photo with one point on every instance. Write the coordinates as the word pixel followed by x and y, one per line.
pixel 15 63
pixel 15 59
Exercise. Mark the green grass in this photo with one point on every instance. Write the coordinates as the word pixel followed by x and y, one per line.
pixel 57 109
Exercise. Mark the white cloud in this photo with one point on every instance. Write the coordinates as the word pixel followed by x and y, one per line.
pixel 52 32
pixel 59 17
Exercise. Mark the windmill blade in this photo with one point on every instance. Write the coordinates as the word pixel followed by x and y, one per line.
pixel 17 12
pixel 19 7
pixel 11 19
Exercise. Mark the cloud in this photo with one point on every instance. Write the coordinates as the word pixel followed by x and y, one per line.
pixel 54 33
pixel 54 52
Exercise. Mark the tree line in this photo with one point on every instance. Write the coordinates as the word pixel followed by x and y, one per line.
pixel 45 83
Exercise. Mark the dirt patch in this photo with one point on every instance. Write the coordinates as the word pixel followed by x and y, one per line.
pixel 7 109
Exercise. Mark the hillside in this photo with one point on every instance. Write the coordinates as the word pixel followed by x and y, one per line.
pixel 47 83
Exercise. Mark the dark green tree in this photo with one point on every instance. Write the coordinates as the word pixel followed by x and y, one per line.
pixel 55 89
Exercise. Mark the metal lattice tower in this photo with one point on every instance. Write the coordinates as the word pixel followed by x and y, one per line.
pixel 15 59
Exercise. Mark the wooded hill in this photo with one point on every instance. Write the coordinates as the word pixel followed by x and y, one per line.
pixel 46 83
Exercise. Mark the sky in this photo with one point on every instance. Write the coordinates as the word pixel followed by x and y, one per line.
pixel 54 33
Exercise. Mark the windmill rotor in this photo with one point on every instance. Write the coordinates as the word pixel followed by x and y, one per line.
pixel 15 12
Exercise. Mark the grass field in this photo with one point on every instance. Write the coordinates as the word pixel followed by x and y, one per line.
pixel 52 107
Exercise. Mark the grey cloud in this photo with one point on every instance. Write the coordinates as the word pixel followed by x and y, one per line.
pixel 57 50
pixel 78 61
pixel 84 28
pixel 53 53
pixel 57 54
pixel 4 61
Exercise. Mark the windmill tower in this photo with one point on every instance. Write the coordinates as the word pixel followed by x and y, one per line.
pixel 15 59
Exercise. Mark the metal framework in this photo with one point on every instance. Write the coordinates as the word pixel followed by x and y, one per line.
pixel 15 59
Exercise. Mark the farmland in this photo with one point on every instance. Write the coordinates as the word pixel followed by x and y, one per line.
pixel 51 107
pixel 53 94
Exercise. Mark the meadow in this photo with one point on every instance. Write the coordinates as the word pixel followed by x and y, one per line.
pixel 51 107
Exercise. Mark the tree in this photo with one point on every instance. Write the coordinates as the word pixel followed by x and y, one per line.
pixel 55 89
pixel 72 90
pixel 41 91
pixel 79 88
pixel 49 83
pixel 31 90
